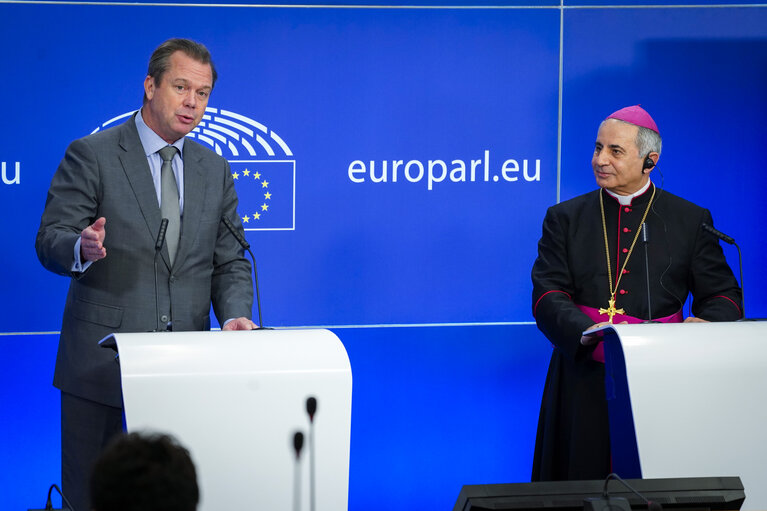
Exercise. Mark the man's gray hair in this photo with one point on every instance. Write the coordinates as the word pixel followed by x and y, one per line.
pixel 648 141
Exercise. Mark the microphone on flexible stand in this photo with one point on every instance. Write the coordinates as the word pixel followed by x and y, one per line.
pixel 719 234
pixel 157 247
pixel 159 241
pixel 246 246
pixel 311 409
pixel 298 443
pixel 645 241
pixel 727 239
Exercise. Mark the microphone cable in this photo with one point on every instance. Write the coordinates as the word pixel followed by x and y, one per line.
pixel 49 503
pixel 665 238
pixel 651 506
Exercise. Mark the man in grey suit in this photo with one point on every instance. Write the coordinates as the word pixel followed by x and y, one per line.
pixel 100 225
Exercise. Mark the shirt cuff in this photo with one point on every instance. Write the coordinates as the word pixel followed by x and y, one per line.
pixel 78 266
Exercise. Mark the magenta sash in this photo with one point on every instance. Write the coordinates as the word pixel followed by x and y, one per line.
pixel 599 352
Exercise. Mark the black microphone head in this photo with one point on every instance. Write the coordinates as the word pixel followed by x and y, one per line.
pixel 237 234
pixel 645 233
pixel 654 506
pixel 298 443
pixel 722 236
pixel 161 234
pixel 311 407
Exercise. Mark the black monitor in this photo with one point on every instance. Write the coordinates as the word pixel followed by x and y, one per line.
pixel 680 494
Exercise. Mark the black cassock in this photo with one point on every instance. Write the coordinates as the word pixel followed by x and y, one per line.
pixel 573 433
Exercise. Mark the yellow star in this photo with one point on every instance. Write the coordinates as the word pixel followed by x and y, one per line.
pixel 268 195
pixel 264 184
pixel 235 175
pixel 245 219
pixel 246 172
pixel 264 207
pixel 257 216
pixel 257 175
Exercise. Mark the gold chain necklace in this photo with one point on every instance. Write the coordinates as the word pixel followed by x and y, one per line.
pixel 611 310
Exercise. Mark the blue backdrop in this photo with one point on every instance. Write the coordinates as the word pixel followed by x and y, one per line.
pixel 409 155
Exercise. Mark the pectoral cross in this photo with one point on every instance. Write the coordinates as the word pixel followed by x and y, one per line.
pixel 611 310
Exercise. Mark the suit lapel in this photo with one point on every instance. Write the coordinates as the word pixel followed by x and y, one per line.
pixel 139 176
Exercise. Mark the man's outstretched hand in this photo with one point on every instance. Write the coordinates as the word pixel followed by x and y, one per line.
pixel 92 241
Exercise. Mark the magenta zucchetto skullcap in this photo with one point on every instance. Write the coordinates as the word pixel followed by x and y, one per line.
pixel 635 115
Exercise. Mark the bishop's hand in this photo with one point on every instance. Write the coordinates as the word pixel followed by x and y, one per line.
pixel 588 340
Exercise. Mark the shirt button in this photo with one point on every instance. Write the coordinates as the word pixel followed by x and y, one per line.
pixel 626 229
pixel 164 317
pixel 625 250
pixel 623 291
pixel 625 271
pixel 627 210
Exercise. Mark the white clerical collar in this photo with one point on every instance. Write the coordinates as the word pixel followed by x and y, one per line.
pixel 625 200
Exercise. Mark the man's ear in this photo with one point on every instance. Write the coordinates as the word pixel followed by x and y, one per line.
pixel 149 87
pixel 649 162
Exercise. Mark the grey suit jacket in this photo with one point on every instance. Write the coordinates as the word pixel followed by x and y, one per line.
pixel 107 174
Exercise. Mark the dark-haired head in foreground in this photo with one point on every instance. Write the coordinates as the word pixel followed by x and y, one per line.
pixel 144 473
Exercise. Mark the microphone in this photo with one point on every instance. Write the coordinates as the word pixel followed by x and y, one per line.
pixel 727 239
pixel 311 409
pixel 246 246
pixel 157 247
pixel 645 241
pixel 298 443
pixel 719 234
pixel 161 235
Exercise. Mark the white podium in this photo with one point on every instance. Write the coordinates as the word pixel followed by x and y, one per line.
pixel 235 400
pixel 689 400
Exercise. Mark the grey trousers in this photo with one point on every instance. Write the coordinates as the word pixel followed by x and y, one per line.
pixel 86 428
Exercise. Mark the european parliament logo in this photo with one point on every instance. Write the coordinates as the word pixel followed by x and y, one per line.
pixel 262 164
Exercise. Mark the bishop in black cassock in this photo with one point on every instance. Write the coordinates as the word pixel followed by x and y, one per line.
pixel 572 281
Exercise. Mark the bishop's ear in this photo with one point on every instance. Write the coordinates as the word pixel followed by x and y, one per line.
pixel 649 163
